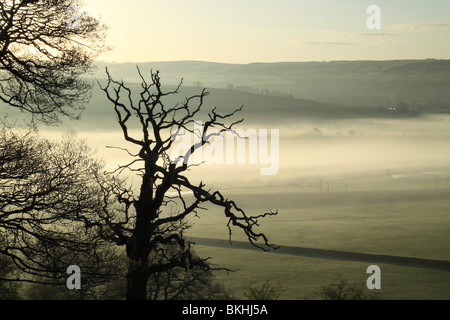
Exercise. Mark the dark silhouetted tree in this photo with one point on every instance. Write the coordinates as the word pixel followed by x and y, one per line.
pixel 341 289
pixel 49 193
pixel 46 47
pixel 102 273
pixel 264 291
pixel 150 223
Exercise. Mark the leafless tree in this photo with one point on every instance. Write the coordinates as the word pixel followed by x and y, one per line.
pixel 49 191
pixel 149 225
pixel 103 270
pixel 48 195
pixel 46 47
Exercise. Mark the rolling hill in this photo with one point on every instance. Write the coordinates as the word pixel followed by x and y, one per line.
pixel 289 91
pixel 410 83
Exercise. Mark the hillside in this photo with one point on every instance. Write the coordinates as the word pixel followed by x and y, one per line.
pixel 258 108
pixel 289 91
pixel 410 83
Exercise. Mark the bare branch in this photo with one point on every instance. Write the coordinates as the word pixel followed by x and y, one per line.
pixel 155 229
pixel 42 61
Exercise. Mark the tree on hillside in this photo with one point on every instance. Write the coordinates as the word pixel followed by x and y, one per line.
pixel 154 214
pixel 46 47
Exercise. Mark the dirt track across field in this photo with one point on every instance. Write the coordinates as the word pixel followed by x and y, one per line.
pixel 332 254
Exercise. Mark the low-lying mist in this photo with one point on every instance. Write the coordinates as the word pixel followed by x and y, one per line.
pixel 315 152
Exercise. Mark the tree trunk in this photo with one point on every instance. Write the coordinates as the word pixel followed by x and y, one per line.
pixel 138 273
pixel 137 247
pixel 137 279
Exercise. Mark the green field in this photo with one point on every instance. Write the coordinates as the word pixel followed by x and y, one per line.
pixel 302 277
pixel 401 222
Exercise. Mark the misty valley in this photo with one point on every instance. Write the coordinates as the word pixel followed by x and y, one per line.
pixel 200 153
pixel 353 177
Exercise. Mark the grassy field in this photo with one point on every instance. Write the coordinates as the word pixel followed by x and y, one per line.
pixel 302 277
pixel 402 220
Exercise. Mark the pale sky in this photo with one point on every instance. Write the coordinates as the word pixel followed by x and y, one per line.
pixel 245 31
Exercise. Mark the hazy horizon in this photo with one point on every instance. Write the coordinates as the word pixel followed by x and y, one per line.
pixel 265 31
pixel 268 62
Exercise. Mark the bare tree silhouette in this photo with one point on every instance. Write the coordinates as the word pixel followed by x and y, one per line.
pixel 43 56
pixel 48 193
pixel 148 227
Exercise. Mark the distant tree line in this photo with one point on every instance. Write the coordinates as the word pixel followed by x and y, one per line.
pixel 267 92
pixel 398 111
